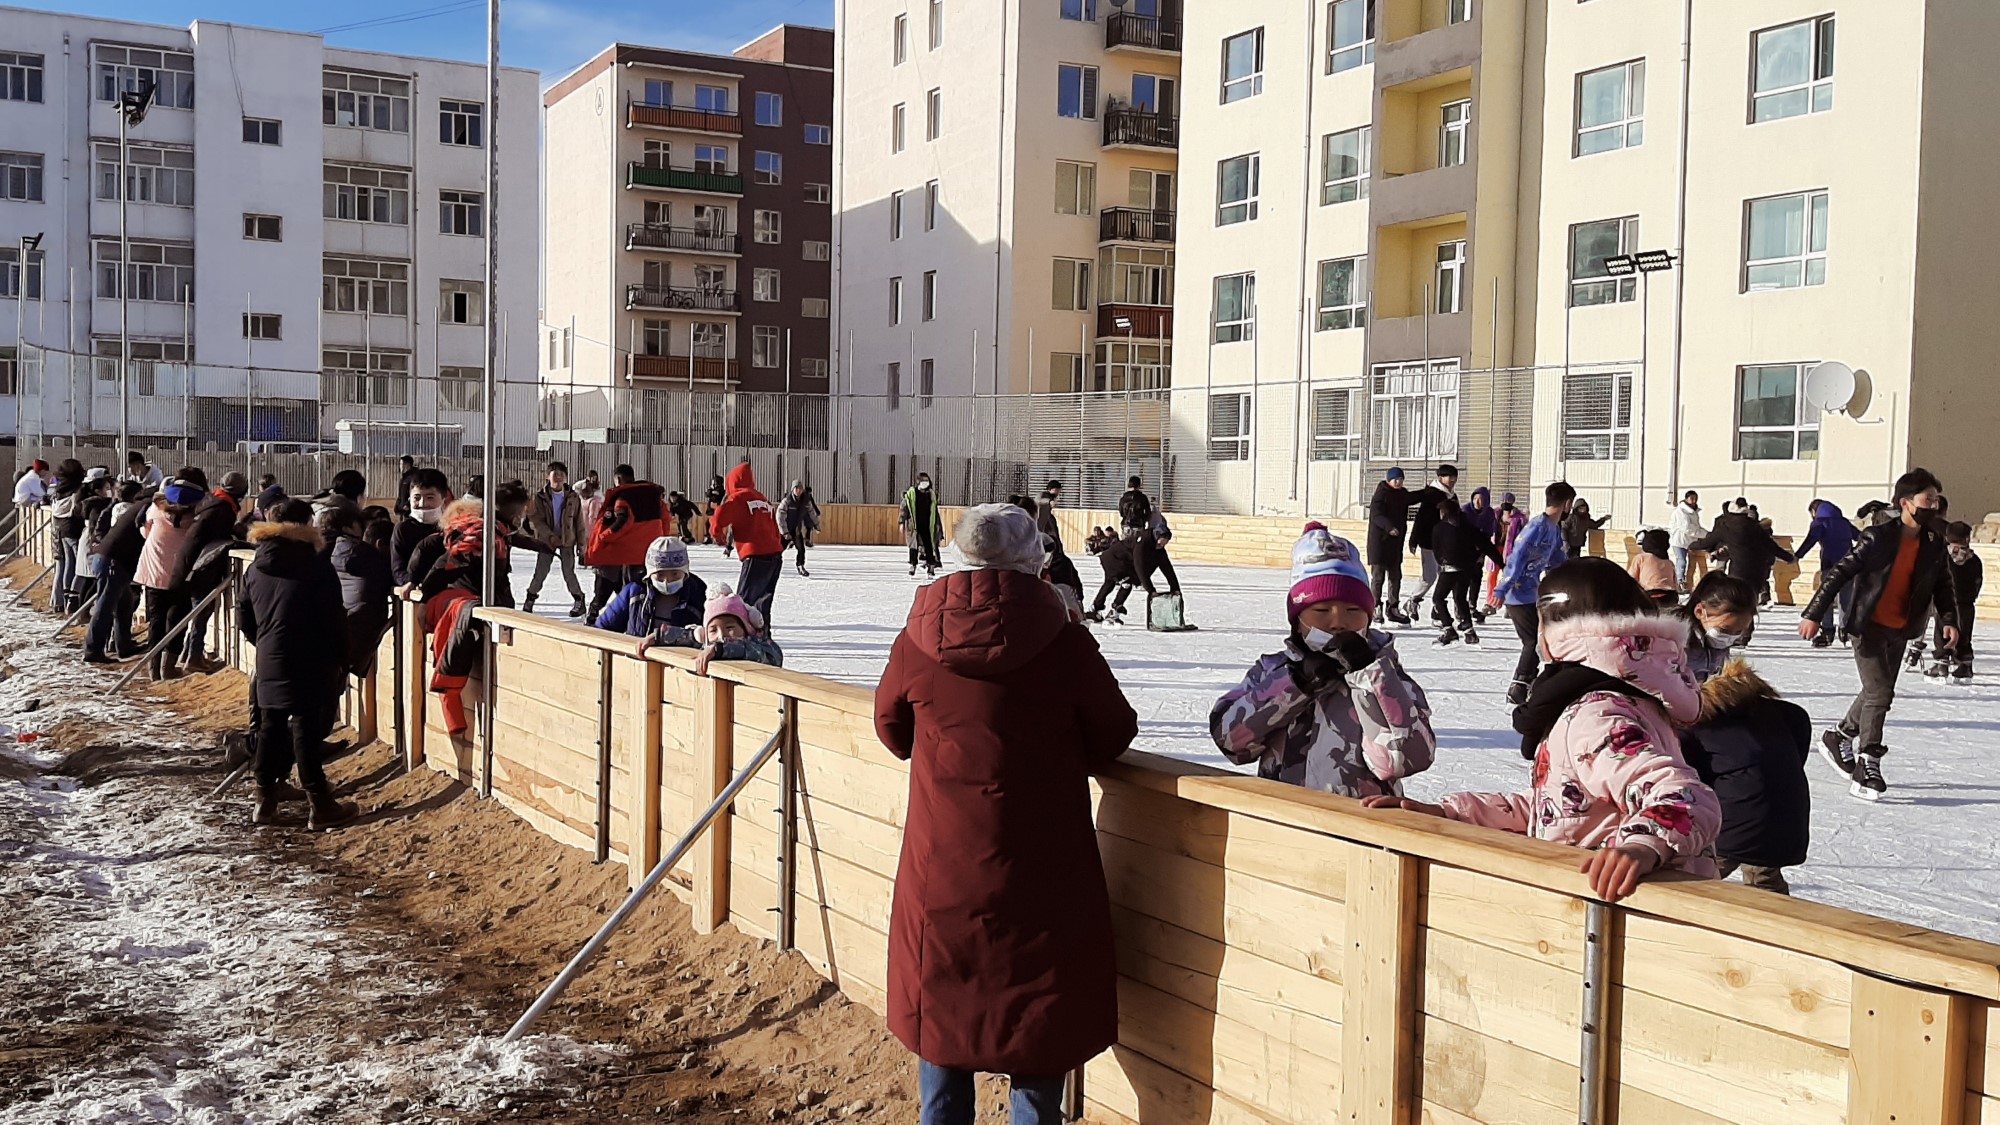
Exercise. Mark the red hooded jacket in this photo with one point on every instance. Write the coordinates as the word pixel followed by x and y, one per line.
pixel 632 517
pixel 747 518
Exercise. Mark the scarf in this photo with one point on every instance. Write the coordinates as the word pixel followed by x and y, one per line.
pixel 1561 684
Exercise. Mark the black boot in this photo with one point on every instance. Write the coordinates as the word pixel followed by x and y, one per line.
pixel 266 810
pixel 324 811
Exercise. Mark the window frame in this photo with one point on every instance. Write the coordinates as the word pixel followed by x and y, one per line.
pixel 263 126
pixel 767 344
pixel 153 173
pixel 895 215
pixel 819 193
pixel 933 113
pixel 1354 312
pixel 1078 11
pixel 766 285
pixel 933 191
pixel 1331 441
pixel 1074 276
pixel 816 308
pixel 1245 207
pixel 936 24
pixel 1622 289
pixel 23 177
pixel 926 382
pixel 1816 223
pixel 930 295
pixel 254 224
pixel 462 208
pixel 1087 90
pixel 775 101
pixel 263 326
pixel 1802 432
pixel 1455 267
pixel 1413 410
pixel 1630 125
pixel 114 72
pixel 1331 189
pixel 899 33
pixel 1359 53
pixel 375 103
pixel 767 227
pixel 366 190
pixel 1822 36
pixel 11 274
pixel 1083 188
pixel 899 127
pixel 892 377
pixel 1245 327
pixel 823 135
pixel 23 76
pixel 364 283
pixel 1455 133
pixel 461 124
pixel 1236 444
pixel 815 250
pixel 767 167
pixel 895 301
pixel 1251 83
pixel 461 301
pixel 1619 414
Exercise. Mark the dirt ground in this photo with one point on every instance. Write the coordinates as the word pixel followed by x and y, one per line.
pixel 361 974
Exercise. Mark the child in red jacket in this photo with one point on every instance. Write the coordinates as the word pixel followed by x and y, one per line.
pixel 747 520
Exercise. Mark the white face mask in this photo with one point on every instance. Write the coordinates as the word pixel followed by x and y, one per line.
pixel 673 587
pixel 923 486
pixel 1318 640
pixel 427 515
pixel 1724 640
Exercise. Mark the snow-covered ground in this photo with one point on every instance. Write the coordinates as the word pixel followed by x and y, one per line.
pixel 1928 853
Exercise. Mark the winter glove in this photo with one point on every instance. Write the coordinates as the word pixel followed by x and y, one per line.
pixel 1352 652
pixel 1315 671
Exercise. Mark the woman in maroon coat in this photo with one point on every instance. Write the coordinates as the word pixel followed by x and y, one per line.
pixel 1000 955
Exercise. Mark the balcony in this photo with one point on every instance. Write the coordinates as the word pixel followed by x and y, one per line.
pixel 685 118
pixel 701 368
pixel 639 174
pixel 694 240
pixel 1140 128
pixel 1132 31
pixel 1134 224
pixel 1149 322
pixel 681 300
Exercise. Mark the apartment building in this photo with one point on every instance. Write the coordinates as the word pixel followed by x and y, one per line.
pixel 1006 205
pixel 1520 235
pixel 690 235
pixel 306 229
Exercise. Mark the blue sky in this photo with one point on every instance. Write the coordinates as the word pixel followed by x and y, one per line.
pixel 552 36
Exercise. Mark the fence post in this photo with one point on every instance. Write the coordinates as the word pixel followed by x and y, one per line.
pixel 411 667
pixel 1380 1007
pixel 644 850
pixel 714 763
pixel 366 716
pixel 1907 1055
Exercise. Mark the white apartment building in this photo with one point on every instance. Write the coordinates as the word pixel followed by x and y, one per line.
pixel 1422 236
pixel 306 228
pixel 1005 200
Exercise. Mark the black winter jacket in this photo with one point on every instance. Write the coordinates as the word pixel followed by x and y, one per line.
pixel 402 544
pixel 123 540
pixel 1458 545
pixel 211 527
pixel 365 587
pixel 1120 560
pixel 1388 523
pixel 1751 748
pixel 1868 566
pixel 1968 579
pixel 1752 551
pixel 1424 525
pixel 1135 511
pixel 289 606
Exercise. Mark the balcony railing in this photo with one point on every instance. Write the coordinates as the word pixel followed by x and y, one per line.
pixel 1133 224
pixel 683 117
pixel 1127 126
pixel 692 300
pixel 639 174
pixel 693 239
pixel 1149 322
pixel 701 368
pixel 1152 33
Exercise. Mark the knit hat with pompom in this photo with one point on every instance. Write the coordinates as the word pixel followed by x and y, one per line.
pixel 1326 568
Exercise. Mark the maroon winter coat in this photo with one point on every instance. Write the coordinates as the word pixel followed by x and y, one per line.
pixel 1000 955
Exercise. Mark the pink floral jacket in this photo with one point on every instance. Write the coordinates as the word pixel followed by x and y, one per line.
pixel 1610 772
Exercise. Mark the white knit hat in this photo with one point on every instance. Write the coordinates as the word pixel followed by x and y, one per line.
pixel 1000 537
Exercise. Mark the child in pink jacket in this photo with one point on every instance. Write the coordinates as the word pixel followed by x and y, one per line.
pixel 1600 726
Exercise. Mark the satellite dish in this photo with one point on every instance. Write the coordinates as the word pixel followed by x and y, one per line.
pixel 1829 387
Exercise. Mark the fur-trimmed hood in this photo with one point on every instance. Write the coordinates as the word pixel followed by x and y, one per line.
pixel 297 532
pixel 1733 688
pixel 1649 653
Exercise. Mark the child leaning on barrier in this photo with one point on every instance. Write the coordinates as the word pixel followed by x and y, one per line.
pixel 1600 726
pixel 1334 710
pixel 731 629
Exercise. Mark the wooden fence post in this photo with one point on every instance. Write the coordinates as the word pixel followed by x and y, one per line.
pixel 1380 1005
pixel 411 673
pixel 643 851
pixel 714 763
pixel 1908 1052
pixel 367 718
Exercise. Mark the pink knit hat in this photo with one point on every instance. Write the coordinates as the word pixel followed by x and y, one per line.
pixel 726 603
pixel 1325 568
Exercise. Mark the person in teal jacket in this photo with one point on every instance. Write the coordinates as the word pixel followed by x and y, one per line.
pixel 1537 550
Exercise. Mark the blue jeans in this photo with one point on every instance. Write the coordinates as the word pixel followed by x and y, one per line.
pixel 1680 557
pixel 948 1097
pixel 66 579
pixel 110 611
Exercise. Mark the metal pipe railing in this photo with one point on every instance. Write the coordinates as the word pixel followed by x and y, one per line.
pixel 29 588
pixel 193 615
pixel 1597 922
pixel 72 618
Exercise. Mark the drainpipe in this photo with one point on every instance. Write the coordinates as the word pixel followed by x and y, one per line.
pixel 1680 248
pixel 1301 381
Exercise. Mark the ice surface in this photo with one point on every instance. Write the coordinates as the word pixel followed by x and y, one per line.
pixel 1928 853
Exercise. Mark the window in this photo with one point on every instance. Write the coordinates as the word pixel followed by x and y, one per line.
pixel 659 92
pixel 1229 427
pixel 930 294
pixel 462 302
pixel 813 368
pixel 153 175
pixel 767 348
pixel 1334 437
pixel 763 285
pixel 819 134
pixel 1785 244
pixel 157 271
pixel 1084 10
pixel 894 385
pixel 264 228
pixel 1154 94
pixel 10 272
pixel 1071 292
pixel 770 168
pixel 355 285
pixel 1454 122
pixel 711 160
pixel 11 374
pixel 1235 307
pixel 1243 66
pixel 365 101
pixel 461 212
pixel 656 275
pixel 937 24
pixel 769 227
pixel 895 215
pixel 1773 420
pixel 657 154
pixel 813 251
pixel 1065 371
pixel 1131 275
pixel 263 131
pixel 815 308
pixel 21 177
pixel 459 123
pixel 1458 11
pixel 926 381
pixel 263 326
pixel 1350 34
pixel 708 339
pixel 1611 108
pixel 1597 417
pixel 364 194
pixel 365 378
pixel 819 193
pixel 1076 188
pixel 1076 91
pixel 1343 293
pixel 148 357
pixel 656 337
pixel 1236 189
pixel 931 205
pixel 461 388
pixel 895 300
pixel 20 77
pixel 933 114
pixel 1414 412
pixel 1451 277
pixel 900 38
pixel 123 70
pixel 770 108
pixel 712 99
pixel 1150 189
pixel 1590 280
pixel 1344 165
pixel 1134 365
pixel 898 127
pixel 1793 72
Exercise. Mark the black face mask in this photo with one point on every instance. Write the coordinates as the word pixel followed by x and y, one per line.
pixel 1925 517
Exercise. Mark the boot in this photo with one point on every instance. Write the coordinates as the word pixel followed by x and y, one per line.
pixel 576 608
pixel 1837 747
pixel 1868 784
pixel 1822 639
pixel 204 665
pixel 1398 616
pixel 1449 636
pixel 1470 634
pixel 1517 693
pixel 1961 672
pixel 266 810
pixel 1938 670
pixel 324 811
pixel 528 606
pixel 164 670
pixel 1915 659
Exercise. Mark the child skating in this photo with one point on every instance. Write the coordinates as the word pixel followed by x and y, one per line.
pixel 1968 578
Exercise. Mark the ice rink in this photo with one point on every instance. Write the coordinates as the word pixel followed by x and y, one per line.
pixel 1928 852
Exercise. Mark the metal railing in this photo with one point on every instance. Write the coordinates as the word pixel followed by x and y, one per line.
pixel 1134 224
pixel 700 368
pixel 1148 322
pixel 682 117
pixel 1153 33
pixel 693 239
pixel 641 174
pixel 669 297
pixel 1126 126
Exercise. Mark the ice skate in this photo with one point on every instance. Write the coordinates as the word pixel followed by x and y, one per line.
pixel 1915 659
pixel 1517 693
pixel 528 604
pixel 1838 750
pixel 1469 634
pixel 1413 608
pixel 803 572
pixel 1868 784
pixel 1937 670
pixel 913 570
pixel 1396 616
pixel 1822 639
pixel 1961 673
pixel 576 608
pixel 1448 637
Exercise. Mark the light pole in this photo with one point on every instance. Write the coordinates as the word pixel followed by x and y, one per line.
pixel 132 107
pixel 28 244
pixel 1123 323
pixel 1645 263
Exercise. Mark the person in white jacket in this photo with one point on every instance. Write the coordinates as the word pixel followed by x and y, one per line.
pixel 1683 530
pixel 32 487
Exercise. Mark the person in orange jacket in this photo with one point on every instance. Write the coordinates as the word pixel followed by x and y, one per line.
pixel 747 519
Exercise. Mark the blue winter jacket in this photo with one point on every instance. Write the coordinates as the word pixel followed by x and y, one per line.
pixel 1539 548
pixel 635 611
pixel 1834 534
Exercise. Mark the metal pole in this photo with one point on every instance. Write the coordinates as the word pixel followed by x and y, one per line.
pixel 249 382
pixel 26 590
pixel 645 887
pixel 367 384
pixel 124 286
pixel 71 619
pixel 788 829
pixel 1680 250
pixel 21 340
pixel 1644 382
pixel 69 359
pixel 603 755
pixel 176 631
pixel 187 373
pixel 1596 1011
pixel 487 562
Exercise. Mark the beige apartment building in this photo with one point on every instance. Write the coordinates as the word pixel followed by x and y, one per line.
pixel 1422 237
pixel 1005 208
